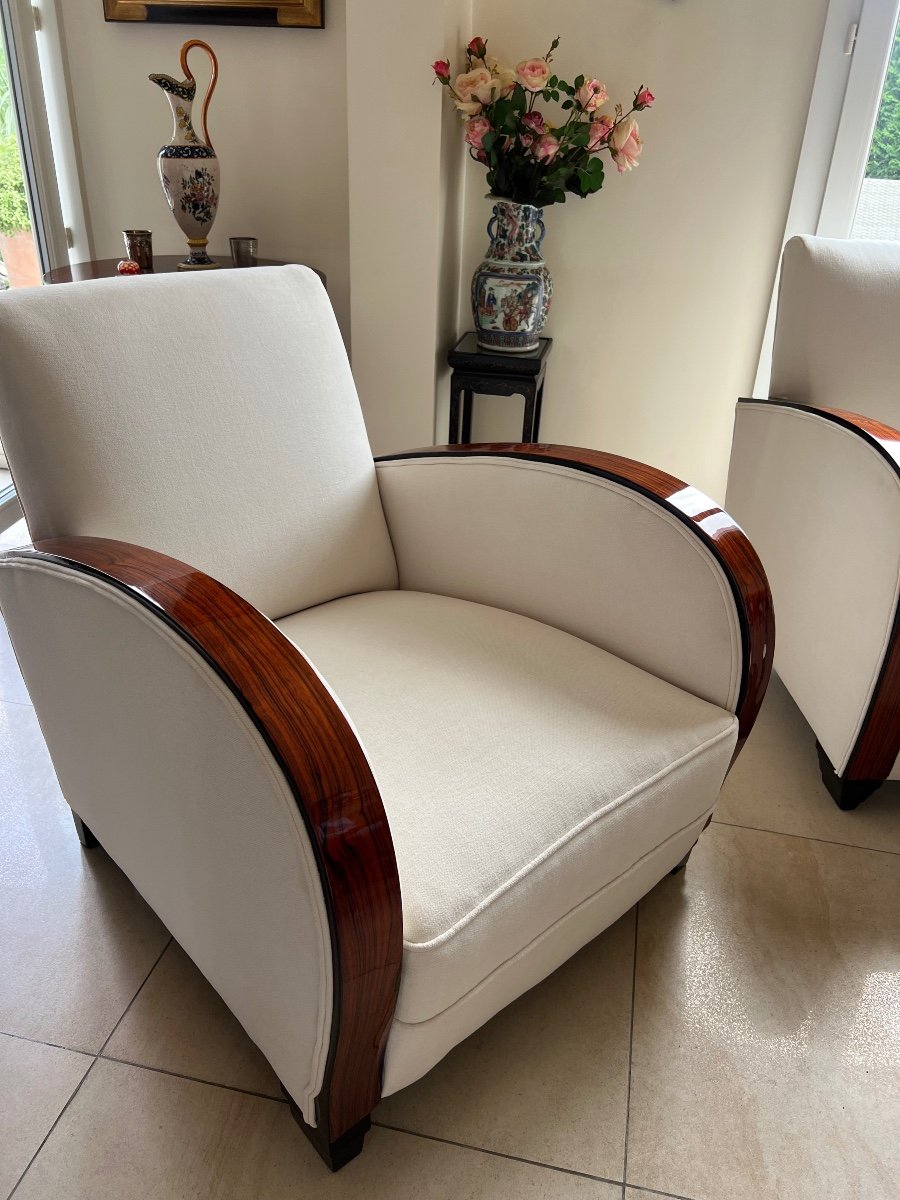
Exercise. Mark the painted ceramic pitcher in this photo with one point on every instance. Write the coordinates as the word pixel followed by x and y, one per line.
pixel 188 167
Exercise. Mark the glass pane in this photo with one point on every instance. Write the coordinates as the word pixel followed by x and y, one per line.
pixel 878 209
pixel 18 253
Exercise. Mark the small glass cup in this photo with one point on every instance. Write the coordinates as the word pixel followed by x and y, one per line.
pixel 139 247
pixel 243 251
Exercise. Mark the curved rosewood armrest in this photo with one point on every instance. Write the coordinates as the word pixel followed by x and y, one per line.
pixel 877 745
pixel 332 783
pixel 706 520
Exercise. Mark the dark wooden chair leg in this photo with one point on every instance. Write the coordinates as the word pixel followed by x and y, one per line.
pixel 846 793
pixel 679 867
pixel 335 1154
pixel 85 836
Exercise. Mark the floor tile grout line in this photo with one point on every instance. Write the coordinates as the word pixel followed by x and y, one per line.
pixel 96 1058
pixel 806 837
pixel 656 1192
pixel 46 1136
pixel 228 1087
pixel 22 1037
pixel 531 1162
pixel 135 996
pixel 637 913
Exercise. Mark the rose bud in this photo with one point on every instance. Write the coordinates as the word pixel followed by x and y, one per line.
pixel 643 98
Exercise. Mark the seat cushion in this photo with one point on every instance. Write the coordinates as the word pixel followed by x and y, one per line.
pixel 521 770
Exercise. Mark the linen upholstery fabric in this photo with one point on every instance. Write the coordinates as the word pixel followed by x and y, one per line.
pixel 836 343
pixel 521 769
pixel 165 766
pixel 573 550
pixel 211 417
pixel 822 507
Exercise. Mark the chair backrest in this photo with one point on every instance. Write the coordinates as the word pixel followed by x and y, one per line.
pixel 837 337
pixel 212 417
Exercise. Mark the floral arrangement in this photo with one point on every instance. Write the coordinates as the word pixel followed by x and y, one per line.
pixel 528 159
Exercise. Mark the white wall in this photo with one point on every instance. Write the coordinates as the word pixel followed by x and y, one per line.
pixel 278 120
pixel 405 214
pixel 663 279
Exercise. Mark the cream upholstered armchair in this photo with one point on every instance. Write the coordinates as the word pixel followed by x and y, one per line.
pixel 815 481
pixel 403 736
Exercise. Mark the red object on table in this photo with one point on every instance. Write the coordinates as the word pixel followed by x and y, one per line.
pixel 106 268
pixel 128 267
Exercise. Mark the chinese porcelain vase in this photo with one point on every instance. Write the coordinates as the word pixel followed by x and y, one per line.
pixel 511 288
pixel 188 167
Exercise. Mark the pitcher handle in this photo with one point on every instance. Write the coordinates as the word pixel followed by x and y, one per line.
pixel 214 78
pixel 543 232
pixel 492 227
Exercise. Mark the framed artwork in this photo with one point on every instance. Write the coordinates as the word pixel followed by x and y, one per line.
pixel 287 13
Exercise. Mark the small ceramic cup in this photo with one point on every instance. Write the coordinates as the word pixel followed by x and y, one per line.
pixel 139 247
pixel 243 251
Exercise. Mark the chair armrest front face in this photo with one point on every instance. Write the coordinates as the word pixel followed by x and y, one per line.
pixel 818 491
pixel 615 552
pixel 209 757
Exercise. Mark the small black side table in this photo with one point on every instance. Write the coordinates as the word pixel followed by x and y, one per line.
pixel 493 374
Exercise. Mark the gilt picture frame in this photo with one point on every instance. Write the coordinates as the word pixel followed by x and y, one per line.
pixel 296 14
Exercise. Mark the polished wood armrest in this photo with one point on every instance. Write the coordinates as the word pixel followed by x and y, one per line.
pixel 331 781
pixel 877 744
pixel 706 520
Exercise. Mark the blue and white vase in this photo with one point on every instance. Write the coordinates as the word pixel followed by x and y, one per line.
pixel 188 167
pixel 512 287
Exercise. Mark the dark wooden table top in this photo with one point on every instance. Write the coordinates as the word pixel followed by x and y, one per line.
pixel 467 355
pixel 105 268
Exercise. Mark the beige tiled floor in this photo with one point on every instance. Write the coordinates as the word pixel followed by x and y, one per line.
pixel 735 1037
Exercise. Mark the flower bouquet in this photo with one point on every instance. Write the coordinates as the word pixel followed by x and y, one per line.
pixel 531 163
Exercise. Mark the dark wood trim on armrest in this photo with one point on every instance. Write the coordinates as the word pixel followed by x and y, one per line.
pixel 723 536
pixel 877 744
pixel 332 783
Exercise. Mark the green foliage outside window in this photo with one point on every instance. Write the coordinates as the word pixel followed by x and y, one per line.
pixel 884 157
pixel 7 114
pixel 13 205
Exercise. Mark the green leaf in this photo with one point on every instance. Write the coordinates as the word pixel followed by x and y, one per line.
pixel 579 82
pixel 552 81
pixel 555 94
pixel 568 104
pixel 488 142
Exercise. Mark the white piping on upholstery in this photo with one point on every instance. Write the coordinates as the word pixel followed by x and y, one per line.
pixel 258 747
pixel 561 842
pixel 805 414
pixel 697 822
pixel 656 508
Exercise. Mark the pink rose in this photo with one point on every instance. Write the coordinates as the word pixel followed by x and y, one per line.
pixel 477 47
pixel 469 108
pixel 545 148
pixel 625 145
pixel 533 74
pixel 527 139
pixel 591 95
pixel 599 131
pixel 473 86
pixel 643 98
pixel 476 128
pixel 442 69
pixel 534 121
